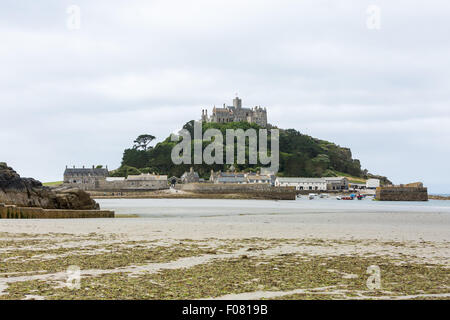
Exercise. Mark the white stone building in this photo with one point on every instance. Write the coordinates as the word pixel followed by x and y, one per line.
pixel 258 178
pixel 372 183
pixel 302 183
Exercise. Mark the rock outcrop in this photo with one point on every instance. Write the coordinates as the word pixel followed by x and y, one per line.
pixel 28 192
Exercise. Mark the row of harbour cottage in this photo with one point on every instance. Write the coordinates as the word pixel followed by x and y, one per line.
pixel 241 177
pixel 300 183
pixel 323 184
pixel 98 179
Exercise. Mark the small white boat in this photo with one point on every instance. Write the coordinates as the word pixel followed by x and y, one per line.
pixel 312 196
pixel 324 195
pixel 338 198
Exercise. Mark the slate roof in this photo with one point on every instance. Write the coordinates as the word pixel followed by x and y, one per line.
pixel 231 179
pixel 99 172
pixel 336 179
pixel 230 174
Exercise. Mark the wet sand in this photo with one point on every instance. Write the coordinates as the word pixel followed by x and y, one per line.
pixel 240 250
pixel 234 219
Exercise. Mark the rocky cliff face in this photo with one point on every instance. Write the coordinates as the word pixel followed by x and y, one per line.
pixel 28 192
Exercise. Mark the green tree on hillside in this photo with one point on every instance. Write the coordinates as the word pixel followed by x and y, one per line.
pixel 300 155
pixel 142 142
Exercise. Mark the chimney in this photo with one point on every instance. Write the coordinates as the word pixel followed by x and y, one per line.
pixel 92 166
pixel 83 167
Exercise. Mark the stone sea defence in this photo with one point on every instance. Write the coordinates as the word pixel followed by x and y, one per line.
pixel 437 197
pixel 409 192
pixel 13 212
pixel 206 191
pixel 251 191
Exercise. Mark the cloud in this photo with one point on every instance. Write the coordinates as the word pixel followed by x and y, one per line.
pixel 82 96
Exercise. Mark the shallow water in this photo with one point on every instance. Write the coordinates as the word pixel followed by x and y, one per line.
pixel 194 208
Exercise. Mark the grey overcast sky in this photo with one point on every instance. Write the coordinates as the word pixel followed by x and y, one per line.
pixel 80 96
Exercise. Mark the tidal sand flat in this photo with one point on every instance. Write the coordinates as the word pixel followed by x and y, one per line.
pixel 233 249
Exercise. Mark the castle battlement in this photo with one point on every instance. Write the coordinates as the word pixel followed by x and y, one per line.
pixel 236 113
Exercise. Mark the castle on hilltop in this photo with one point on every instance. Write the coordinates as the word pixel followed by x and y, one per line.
pixel 236 113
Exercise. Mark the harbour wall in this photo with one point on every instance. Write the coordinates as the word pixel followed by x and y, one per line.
pixel 14 212
pixel 117 186
pixel 402 193
pixel 253 191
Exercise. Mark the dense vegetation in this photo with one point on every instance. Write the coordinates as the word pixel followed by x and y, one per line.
pixel 300 155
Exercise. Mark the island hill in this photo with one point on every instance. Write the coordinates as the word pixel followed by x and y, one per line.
pixel 306 164
pixel 300 156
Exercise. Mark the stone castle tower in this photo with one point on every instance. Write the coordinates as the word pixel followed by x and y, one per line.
pixel 236 113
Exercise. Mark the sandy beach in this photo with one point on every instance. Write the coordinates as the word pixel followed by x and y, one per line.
pixel 242 250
